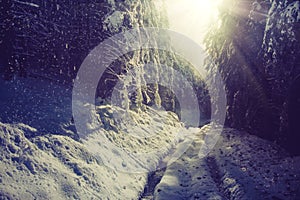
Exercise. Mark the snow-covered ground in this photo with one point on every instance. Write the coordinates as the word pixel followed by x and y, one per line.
pixel 240 166
pixel 43 158
pixel 57 167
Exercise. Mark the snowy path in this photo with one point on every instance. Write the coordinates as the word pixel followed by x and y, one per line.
pixel 188 177
pixel 241 166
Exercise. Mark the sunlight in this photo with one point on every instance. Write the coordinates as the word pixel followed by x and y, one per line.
pixel 192 17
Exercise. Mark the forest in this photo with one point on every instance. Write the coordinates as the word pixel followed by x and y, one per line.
pixel 94 91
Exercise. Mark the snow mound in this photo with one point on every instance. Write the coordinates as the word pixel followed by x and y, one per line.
pixel 41 160
pixel 132 141
pixel 57 167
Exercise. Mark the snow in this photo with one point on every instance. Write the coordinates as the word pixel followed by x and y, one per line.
pixel 115 160
pixel 57 167
pixel 37 148
pixel 134 143
pixel 280 24
pixel 27 3
pixel 42 157
pixel 114 21
pixel 291 12
pixel 240 166
pixel 34 154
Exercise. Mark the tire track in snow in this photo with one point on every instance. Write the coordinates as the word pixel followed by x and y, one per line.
pixel 188 177
pixel 216 176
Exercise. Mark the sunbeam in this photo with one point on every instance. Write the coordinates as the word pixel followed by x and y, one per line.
pixel 192 17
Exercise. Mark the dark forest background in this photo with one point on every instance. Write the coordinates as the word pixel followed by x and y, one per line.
pixel 256 47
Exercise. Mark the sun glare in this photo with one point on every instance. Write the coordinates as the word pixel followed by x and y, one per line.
pixel 192 17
